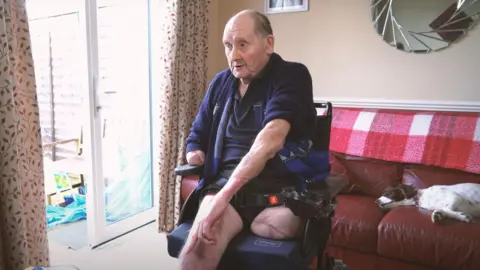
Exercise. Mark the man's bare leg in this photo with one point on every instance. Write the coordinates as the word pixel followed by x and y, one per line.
pixel 280 223
pixel 277 223
pixel 205 256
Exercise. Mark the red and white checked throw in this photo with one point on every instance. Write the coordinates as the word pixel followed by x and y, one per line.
pixel 443 139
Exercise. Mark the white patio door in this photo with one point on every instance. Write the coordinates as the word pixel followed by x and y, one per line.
pixel 122 192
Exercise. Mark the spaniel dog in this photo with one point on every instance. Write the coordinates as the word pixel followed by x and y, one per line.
pixel 459 201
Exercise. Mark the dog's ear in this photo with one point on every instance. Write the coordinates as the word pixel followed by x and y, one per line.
pixel 390 192
pixel 410 191
pixel 386 191
pixel 407 190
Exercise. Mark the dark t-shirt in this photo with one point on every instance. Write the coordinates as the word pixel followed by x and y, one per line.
pixel 241 129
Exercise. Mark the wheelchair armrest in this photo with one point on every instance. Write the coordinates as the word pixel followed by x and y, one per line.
pixel 188 169
pixel 335 184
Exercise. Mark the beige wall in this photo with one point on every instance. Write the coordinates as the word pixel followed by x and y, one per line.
pixel 348 60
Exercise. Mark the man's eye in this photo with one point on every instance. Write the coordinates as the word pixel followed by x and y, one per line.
pixel 243 44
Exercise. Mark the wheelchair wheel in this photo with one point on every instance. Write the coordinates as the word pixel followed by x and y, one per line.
pixel 308 237
pixel 189 208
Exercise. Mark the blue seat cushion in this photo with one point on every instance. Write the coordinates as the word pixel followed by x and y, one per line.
pixel 248 251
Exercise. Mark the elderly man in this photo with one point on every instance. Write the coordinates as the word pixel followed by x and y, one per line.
pixel 250 110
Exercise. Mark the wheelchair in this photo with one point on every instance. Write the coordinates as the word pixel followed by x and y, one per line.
pixel 248 251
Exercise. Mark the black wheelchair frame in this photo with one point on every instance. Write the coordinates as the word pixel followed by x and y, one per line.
pixel 310 246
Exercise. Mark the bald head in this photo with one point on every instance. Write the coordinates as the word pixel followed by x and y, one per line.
pixel 260 23
pixel 248 42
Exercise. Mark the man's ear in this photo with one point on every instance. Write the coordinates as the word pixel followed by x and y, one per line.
pixel 269 44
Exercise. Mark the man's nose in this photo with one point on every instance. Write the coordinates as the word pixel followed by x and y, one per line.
pixel 235 54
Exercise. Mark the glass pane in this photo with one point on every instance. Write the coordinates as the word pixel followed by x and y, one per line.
pixel 58 52
pixel 124 97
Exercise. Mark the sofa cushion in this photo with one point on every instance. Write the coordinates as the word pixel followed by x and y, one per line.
pixel 337 169
pixel 422 176
pixel 355 223
pixel 357 260
pixel 372 176
pixel 408 234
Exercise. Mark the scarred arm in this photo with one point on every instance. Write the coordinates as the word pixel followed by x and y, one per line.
pixel 268 142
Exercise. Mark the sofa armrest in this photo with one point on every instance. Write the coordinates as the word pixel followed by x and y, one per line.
pixel 187 169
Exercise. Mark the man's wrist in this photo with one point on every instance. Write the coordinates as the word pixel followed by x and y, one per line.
pixel 224 196
pixel 230 189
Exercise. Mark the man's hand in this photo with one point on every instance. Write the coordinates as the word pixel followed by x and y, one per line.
pixel 209 223
pixel 196 157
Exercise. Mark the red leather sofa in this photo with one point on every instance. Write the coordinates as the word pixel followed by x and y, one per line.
pixel 365 237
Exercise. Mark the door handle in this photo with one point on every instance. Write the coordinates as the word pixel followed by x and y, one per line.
pixel 96 105
pixel 104 127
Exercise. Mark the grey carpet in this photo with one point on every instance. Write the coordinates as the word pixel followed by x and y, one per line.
pixel 72 235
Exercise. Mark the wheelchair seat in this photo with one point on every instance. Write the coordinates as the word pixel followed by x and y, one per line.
pixel 248 251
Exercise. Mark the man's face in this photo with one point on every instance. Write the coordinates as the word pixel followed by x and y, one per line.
pixel 246 51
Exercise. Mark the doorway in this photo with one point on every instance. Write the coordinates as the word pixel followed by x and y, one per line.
pixel 94 84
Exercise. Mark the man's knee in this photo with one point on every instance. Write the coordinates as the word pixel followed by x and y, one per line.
pixel 206 200
pixel 277 223
pixel 230 226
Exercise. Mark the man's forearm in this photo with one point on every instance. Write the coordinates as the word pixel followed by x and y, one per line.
pixel 268 142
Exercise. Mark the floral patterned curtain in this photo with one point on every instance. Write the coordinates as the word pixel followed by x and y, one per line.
pixel 23 234
pixel 183 85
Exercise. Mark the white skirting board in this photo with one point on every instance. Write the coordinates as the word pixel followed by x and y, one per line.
pixel 456 106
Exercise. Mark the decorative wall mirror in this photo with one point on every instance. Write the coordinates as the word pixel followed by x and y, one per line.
pixel 421 26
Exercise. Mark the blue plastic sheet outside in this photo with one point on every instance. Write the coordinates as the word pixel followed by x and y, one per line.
pixel 123 198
